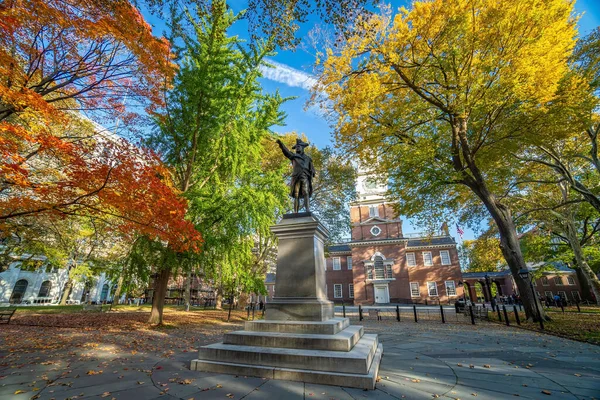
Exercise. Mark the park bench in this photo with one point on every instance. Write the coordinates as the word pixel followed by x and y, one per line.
pixel 6 314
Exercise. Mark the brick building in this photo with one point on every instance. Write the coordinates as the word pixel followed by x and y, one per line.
pixel 561 281
pixel 380 265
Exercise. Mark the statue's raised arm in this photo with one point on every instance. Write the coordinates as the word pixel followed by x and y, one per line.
pixel 302 174
pixel 285 150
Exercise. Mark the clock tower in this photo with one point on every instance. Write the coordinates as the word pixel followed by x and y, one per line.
pixel 371 216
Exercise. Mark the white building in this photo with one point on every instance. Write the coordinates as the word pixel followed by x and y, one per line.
pixel 45 285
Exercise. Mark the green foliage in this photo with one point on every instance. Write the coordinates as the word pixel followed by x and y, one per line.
pixel 277 19
pixel 213 134
pixel 483 255
pixel 333 186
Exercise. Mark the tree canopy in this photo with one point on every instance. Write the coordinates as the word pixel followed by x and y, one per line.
pixel 437 95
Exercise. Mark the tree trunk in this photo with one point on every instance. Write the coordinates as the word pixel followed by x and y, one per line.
pixel 591 279
pixel 218 300
pixel 511 250
pixel 188 290
pixel 66 292
pixel 465 164
pixel 586 290
pixel 158 300
pixel 117 293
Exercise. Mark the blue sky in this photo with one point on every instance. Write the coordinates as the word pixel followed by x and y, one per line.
pixel 292 77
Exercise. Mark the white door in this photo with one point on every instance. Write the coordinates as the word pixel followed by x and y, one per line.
pixel 381 294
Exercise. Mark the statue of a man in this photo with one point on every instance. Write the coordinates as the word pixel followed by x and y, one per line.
pixel 302 174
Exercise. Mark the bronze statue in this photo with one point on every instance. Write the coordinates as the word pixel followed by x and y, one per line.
pixel 302 174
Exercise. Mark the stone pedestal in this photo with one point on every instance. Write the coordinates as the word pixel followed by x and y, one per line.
pixel 300 339
pixel 300 279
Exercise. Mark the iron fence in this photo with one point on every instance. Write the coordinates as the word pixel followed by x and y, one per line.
pixel 416 314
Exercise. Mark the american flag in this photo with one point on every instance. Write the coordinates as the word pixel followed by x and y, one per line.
pixel 459 231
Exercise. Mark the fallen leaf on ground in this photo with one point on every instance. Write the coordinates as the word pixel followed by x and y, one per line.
pixel 547 392
pixel 92 372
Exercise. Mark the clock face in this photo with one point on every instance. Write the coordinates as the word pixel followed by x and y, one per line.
pixel 370 184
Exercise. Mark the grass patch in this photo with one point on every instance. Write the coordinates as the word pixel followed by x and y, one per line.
pixel 68 309
pixel 583 326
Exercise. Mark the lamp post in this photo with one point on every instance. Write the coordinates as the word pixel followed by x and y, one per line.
pixel 524 274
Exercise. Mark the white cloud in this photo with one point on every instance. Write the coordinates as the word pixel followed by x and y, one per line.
pixel 287 75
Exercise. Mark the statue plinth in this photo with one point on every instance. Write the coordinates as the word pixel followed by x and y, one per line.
pixel 300 339
pixel 300 279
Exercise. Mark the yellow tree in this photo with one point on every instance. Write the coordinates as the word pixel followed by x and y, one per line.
pixel 437 96
pixel 484 254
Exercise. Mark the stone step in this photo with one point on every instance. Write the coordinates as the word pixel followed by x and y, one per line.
pixel 329 327
pixel 361 381
pixel 356 361
pixel 341 341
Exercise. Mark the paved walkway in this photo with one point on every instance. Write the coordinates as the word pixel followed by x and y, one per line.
pixel 421 361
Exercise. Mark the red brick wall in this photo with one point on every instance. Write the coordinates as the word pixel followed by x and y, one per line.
pixel 554 288
pixel 396 288
pixel 342 276
pixel 360 214
pixel 437 273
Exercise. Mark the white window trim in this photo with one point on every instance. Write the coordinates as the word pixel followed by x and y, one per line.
pixel 578 295
pixel 562 283
pixel 563 293
pixel 378 228
pixel 418 289
pixel 375 210
pixel 429 290
pixel 414 260
pixel 341 296
pixel 351 290
pixel 453 286
pixel 430 257
pixel 349 263
pixel 571 278
pixel 442 258
pixel 547 281
pixel 339 263
pixel 548 293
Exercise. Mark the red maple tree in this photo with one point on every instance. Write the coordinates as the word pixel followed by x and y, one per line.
pixel 59 58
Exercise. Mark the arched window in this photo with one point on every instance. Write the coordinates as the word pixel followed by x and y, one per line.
pixel 379 269
pixel 45 289
pixel 18 291
pixel 104 292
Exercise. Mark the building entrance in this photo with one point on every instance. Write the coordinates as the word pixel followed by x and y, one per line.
pixel 382 295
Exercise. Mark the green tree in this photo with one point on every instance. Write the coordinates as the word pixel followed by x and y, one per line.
pixel 84 246
pixel 438 95
pixel 334 186
pixel 212 134
pixel 548 203
pixel 278 19
pixel 483 254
